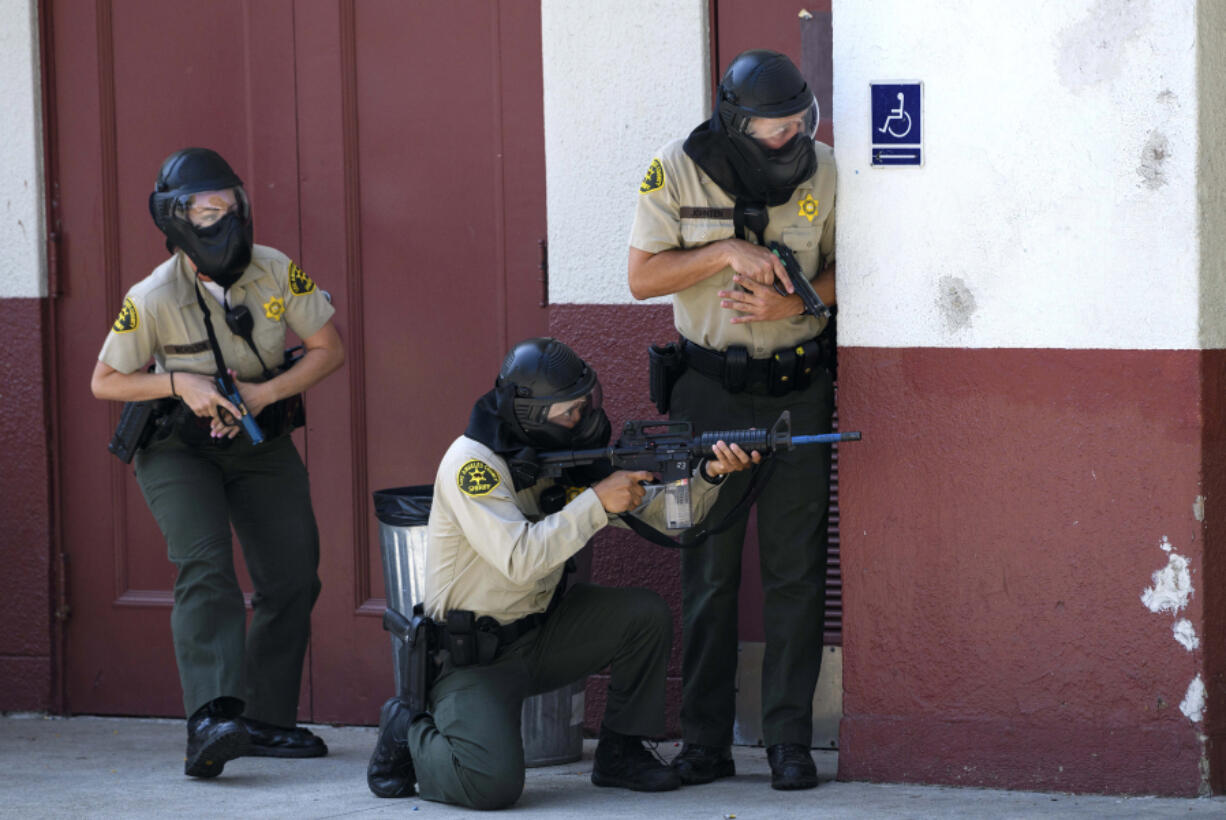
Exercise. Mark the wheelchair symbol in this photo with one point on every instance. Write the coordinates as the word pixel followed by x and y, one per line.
pixel 900 115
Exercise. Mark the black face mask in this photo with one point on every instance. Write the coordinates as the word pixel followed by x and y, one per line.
pixel 221 251
pixel 746 170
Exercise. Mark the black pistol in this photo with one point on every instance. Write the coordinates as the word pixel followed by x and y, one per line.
pixel 814 305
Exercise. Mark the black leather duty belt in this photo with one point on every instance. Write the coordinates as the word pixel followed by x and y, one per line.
pixel 787 369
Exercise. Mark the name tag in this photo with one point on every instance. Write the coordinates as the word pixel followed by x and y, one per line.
pixel 690 212
pixel 187 350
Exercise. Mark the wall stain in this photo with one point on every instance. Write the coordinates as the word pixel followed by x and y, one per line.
pixel 1092 51
pixel 1153 157
pixel 956 303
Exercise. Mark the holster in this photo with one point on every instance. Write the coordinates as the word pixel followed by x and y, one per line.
pixel 666 364
pixel 283 416
pixel 418 669
pixel 138 422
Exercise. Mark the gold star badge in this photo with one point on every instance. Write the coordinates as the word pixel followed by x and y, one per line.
pixel 808 207
pixel 274 308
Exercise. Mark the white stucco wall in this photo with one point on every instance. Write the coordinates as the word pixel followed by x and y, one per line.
pixel 23 268
pixel 1057 204
pixel 620 79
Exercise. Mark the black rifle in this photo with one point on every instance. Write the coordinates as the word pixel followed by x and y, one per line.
pixel 814 305
pixel 674 451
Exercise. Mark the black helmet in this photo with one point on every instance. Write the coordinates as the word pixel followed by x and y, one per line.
pixel 545 381
pixel 219 245
pixel 766 84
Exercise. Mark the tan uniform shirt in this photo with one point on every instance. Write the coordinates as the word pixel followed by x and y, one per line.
pixel 680 207
pixel 161 318
pixel 490 550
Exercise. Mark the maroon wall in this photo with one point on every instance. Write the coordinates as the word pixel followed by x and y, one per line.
pixel 25 508
pixel 1001 519
pixel 614 339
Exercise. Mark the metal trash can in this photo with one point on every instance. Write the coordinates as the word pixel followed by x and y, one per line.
pixel 552 722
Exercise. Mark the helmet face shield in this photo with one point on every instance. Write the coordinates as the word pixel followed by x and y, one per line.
pixel 204 209
pixel 772 133
pixel 570 414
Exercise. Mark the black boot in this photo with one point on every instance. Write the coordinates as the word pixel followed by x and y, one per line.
pixel 268 740
pixel 390 773
pixel 792 766
pixel 702 764
pixel 215 734
pixel 623 762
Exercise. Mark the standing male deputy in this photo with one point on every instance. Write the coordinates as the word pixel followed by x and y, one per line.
pixel 219 305
pixel 708 206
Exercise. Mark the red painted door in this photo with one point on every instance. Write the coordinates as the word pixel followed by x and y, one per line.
pixel 395 150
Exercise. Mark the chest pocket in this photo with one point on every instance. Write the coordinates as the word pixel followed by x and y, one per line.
pixel 804 245
pixel 698 232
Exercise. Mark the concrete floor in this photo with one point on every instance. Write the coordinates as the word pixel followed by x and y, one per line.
pixel 133 768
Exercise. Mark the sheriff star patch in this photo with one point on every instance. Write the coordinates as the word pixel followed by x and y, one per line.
pixel 808 207
pixel 653 180
pixel 299 282
pixel 128 319
pixel 476 478
pixel 274 308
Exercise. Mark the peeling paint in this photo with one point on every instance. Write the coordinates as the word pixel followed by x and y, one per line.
pixel 1198 508
pixel 1193 703
pixel 1154 153
pixel 1185 633
pixel 1165 544
pixel 956 303
pixel 1172 585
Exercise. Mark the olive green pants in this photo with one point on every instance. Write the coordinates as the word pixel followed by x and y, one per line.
pixel 792 516
pixel 469 750
pixel 196 494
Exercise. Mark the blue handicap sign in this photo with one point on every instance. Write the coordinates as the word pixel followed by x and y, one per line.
pixel 897 123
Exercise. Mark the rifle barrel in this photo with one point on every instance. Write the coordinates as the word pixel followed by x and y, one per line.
pixel 826 438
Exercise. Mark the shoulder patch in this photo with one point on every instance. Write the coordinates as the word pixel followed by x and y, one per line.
pixel 653 180
pixel 476 478
pixel 299 282
pixel 128 319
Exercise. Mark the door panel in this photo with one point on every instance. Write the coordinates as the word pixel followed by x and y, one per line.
pixel 374 145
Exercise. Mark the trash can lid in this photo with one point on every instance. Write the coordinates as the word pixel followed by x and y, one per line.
pixel 404 506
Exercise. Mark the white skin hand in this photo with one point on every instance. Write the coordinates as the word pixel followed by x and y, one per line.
pixel 623 490
pixel 758 302
pixel 755 262
pixel 730 459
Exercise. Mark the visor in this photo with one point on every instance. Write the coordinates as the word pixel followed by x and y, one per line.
pixel 204 209
pixel 773 132
pixel 570 413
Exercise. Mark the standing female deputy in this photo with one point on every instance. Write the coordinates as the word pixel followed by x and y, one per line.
pixel 213 314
